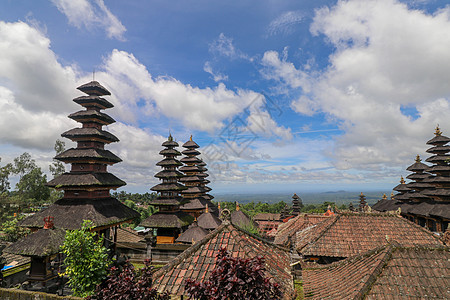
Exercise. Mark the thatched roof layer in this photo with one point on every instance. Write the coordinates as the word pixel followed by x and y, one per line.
pixel 168 220
pixel 44 242
pixel 91 154
pixel 90 134
pixel 85 180
pixel 70 213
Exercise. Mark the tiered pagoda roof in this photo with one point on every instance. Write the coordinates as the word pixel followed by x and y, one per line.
pixel 420 181
pixel 296 205
pixel 196 195
pixel 87 186
pixel 362 203
pixel 169 200
pixel 208 221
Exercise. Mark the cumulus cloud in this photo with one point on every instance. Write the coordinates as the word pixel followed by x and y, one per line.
pixel 285 23
pixel 387 56
pixel 204 109
pixel 91 14
pixel 33 88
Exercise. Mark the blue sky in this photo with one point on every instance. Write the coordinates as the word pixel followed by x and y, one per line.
pixel 285 96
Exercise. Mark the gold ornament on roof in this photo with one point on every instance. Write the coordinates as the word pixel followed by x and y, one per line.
pixel 190 138
pixel 392 195
pixel 438 131
pixel 418 160
pixel 384 196
pixel 402 181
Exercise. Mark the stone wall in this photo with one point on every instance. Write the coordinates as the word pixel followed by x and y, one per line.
pixel 15 294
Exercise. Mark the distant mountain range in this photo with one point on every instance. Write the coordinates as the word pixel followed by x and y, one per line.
pixel 338 197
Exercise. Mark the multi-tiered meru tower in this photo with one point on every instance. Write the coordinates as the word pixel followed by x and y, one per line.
pixel 87 186
pixel 195 195
pixel 169 222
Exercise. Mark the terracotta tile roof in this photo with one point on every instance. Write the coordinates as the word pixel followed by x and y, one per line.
pixel 389 272
pixel 351 234
pixel 288 229
pixel 198 261
pixel 127 235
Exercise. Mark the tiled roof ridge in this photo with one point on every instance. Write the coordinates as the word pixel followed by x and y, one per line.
pixel 186 253
pixel 337 217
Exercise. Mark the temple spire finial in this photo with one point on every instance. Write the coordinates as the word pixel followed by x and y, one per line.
pixel 418 160
pixel 438 131
pixel 190 138
pixel 402 180
pixel 392 195
pixel 384 196
pixel 237 206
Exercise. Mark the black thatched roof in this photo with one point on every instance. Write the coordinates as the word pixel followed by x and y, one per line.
pixel 170 152
pixel 94 88
pixel 196 190
pixel 241 219
pixel 190 160
pixel 92 116
pixel 208 221
pixel 94 101
pixel 438 158
pixel 438 169
pixel 164 187
pixel 429 209
pixel 189 169
pixel 386 204
pixel 168 162
pixel 417 167
pixel 189 152
pixel 190 144
pixel 168 220
pixel 198 203
pixel 439 149
pixel 79 134
pixel 91 154
pixel 68 180
pixel 418 176
pixel 44 242
pixel 192 235
pixel 168 174
pixel 166 201
pixel 438 140
pixel 70 213
pixel 193 178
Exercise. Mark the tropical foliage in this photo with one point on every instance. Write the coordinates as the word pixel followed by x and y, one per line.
pixel 86 260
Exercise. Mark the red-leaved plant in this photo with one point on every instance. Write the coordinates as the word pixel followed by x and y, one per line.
pixel 235 278
pixel 126 284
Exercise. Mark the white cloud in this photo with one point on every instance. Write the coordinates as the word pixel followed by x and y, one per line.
pixel 223 46
pixel 91 14
pixel 216 76
pixel 285 23
pixel 198 109
pixel 386 56
pixel 284 71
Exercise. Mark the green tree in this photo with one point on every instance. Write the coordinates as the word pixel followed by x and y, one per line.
pixel 12 230
pixel 23 164
pixel 32 186
pixel 5 172
pixel 86 260
pixel 57 167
